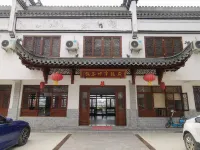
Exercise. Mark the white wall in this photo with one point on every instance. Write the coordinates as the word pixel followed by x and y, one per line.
pixel 73 24
pixel 4 22
pixel 168 25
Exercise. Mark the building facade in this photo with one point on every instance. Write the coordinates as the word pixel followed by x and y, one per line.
pixel 95 49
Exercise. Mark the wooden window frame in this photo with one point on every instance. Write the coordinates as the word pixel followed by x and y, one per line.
pixel 42 43
pixel 54 112
pixel 163 45
pixel 102 47
pixel 152 113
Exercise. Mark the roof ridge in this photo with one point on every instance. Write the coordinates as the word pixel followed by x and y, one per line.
pixel 168 6
pixel 81 6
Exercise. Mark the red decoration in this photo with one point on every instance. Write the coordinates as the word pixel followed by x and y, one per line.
pixel 42 84
pixel 162 85
pixel 102 83
pixel 56 77
pixel 149 78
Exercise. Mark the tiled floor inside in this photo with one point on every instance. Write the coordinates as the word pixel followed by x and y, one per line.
pixel 102 121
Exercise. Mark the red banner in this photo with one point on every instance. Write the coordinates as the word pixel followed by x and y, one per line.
pixel 103 73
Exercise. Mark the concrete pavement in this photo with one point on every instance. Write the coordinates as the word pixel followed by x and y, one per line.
pixel 104 140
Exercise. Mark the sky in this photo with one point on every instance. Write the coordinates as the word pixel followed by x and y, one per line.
pixel 113 2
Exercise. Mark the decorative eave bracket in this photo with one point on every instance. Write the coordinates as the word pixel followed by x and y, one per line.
pixel 72 75
pixel 160 73
pixel 133 74
pixel 45 74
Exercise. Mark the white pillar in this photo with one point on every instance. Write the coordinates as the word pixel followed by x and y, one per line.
pixel 133 9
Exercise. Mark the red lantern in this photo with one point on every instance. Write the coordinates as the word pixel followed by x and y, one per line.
pixel 42 84
pixel 102 83
pixel 56 77
pixel 149 78
pixel 162 85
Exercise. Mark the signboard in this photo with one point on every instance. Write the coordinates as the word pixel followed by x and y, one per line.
pixel 103 73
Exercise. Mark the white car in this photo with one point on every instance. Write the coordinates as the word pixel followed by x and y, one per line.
pixel 191 133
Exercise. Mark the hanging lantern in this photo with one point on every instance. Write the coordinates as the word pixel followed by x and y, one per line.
pixel 149 78
pixel 162 86
pixel 102 83
pixel 56 77
pixel 42 84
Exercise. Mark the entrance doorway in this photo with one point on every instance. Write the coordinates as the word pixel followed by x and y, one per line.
pixel 102 106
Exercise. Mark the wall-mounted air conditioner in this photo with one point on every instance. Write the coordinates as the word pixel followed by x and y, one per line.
pixel 72 45
pixel 135 45
pixel 196 46
pixel 8 45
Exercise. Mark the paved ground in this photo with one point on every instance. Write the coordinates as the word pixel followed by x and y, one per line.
pixel 42 141
pixel 103 141
pixel 164 140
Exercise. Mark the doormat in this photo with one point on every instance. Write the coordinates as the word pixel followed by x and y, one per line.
pixel 102 128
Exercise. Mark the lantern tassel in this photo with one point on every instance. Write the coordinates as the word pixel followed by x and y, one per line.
pixel 55 82
pixel 149 83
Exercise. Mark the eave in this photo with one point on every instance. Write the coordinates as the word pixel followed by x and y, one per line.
pixel 158 65
pixel 167 63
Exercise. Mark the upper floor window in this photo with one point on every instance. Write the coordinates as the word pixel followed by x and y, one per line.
pixel 163 46
pixel 48 46
pixel 102 46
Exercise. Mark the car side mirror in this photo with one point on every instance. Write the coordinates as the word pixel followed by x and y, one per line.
pixel 9 120
pixel 197 120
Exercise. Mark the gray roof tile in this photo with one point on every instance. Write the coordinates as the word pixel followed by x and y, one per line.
pixel 173 62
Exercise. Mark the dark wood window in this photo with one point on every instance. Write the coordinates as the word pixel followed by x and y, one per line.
pixel 52 101
pixel 43 46
pixel 5 92
pixel 154 102
pixel 163 46
pixel 102 46
pixel 196 90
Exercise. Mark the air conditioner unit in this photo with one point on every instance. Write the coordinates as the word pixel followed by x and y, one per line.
pixel 136 45
pixel 8 45
pixel 196 46
pixel 72 46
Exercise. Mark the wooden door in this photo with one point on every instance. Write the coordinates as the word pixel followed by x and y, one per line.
pixel 4 102
pixel 84 105
pixel 120 97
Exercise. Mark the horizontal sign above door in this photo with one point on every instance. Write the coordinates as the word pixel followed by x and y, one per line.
pixel 103 73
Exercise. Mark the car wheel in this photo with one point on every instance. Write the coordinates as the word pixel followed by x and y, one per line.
pixel 167 125
pixel 190 142
pixel 23 138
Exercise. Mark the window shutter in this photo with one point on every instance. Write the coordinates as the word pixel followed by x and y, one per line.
pixel 88 46
pixel 185 102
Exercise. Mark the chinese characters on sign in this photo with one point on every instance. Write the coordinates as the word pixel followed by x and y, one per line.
pixel 103 73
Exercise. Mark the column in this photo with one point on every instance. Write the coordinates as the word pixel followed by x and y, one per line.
pixel 133 112
pixel 13 111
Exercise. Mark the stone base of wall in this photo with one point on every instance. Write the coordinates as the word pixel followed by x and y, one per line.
pixel 153 123
pixel 191 113
pixel 53 123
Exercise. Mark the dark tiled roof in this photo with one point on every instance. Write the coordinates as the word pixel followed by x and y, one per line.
pixel 32 2
pixel 4 13
pixel 112 12
pixel 168 12
pixel 173 63
pixel 75 14
pixel 23 4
